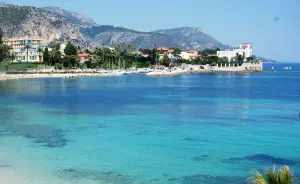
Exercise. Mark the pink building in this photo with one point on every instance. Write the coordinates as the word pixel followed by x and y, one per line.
pixel 84 57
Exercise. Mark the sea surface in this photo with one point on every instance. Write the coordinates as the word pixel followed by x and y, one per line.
pixel 185 129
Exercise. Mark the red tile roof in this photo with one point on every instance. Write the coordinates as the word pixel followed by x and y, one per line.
pixel 163 48
pixel 84 55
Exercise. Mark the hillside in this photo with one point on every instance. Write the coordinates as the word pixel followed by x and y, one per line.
pixel 56 25
pixel 191 38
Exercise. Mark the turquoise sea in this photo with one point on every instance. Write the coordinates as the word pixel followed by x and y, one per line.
pixel 186 129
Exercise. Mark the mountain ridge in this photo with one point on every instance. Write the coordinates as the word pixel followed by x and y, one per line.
pixel 56 25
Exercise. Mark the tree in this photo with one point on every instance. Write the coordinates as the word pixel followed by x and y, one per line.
pixel 176 51
pixel 118 49
pixel 70 61
pixel 250 58
pixel 207 52
pixel 166 60
pixel 70 49
pixel 129 48
pixel 239 60
pixel 12 57
pixel 1 36
pixel 4 49
pixel 6 64
pixel 55 55
pixel 226 59
pixel 282 176
pixel 88 51
pixel 39 51
pixel 27 47
pixel 4 52
pixel 46 56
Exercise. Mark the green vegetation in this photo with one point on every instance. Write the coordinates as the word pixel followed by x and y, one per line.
pixel 119 57
pixel 55 56
pixel 4 49
pixel 46 56
pixel 27 47
pixel 70 49
pixel 20 66
pixel 282 176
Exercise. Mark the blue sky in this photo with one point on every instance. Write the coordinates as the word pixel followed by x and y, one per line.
pixel 273 26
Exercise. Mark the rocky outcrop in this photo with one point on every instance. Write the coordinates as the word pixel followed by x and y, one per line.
pixel 30 21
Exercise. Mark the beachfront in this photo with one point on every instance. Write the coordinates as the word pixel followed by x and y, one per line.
pixel 159 72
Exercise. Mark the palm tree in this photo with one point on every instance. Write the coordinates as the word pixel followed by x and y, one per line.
pixel 129 48
pixel 13 57
pixel 27 46
pixel 282 176
pixel 107 56
pixel 118 49
pixel 6 64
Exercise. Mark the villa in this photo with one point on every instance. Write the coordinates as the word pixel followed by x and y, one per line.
pixel 85 57
pixel 189 55
pixel 18 45
pixel 244 50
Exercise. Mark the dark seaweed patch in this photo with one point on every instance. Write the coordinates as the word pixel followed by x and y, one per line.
pixel 192 179
pixel 264 158
pixel 189 139
pixel 4 165
pixel 172 179
pixel 40 134
pixel 102 126
pixel 200 158
pixel 154 180
pixel 110 177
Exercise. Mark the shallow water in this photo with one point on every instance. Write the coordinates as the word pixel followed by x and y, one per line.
pixel 196 128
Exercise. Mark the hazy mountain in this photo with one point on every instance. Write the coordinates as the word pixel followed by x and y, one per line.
pixel 56 25
pixel 262 59
pixel 111 35
pixel 72 17
pixel 191 38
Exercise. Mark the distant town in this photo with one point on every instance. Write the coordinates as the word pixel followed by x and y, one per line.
pixel 64 56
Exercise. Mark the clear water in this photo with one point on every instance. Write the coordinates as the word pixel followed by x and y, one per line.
pixel 196 128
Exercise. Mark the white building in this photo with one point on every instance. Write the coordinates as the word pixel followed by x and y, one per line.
pixel 245 49
pixel 25 49
pixel 185 55
pixel 189 55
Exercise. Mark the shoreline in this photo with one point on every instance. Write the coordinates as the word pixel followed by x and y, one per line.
pixel 54 75
pixel 174 73
pixel 5 77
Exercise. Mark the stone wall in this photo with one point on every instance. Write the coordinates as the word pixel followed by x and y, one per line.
pixel 244 67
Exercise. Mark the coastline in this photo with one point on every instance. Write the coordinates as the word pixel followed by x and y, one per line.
pixel 54 75
pixel 174 73
pixel 109 74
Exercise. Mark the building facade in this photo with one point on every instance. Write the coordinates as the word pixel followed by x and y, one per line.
pixel 245 50
pixel 22 45
pixel 84 57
